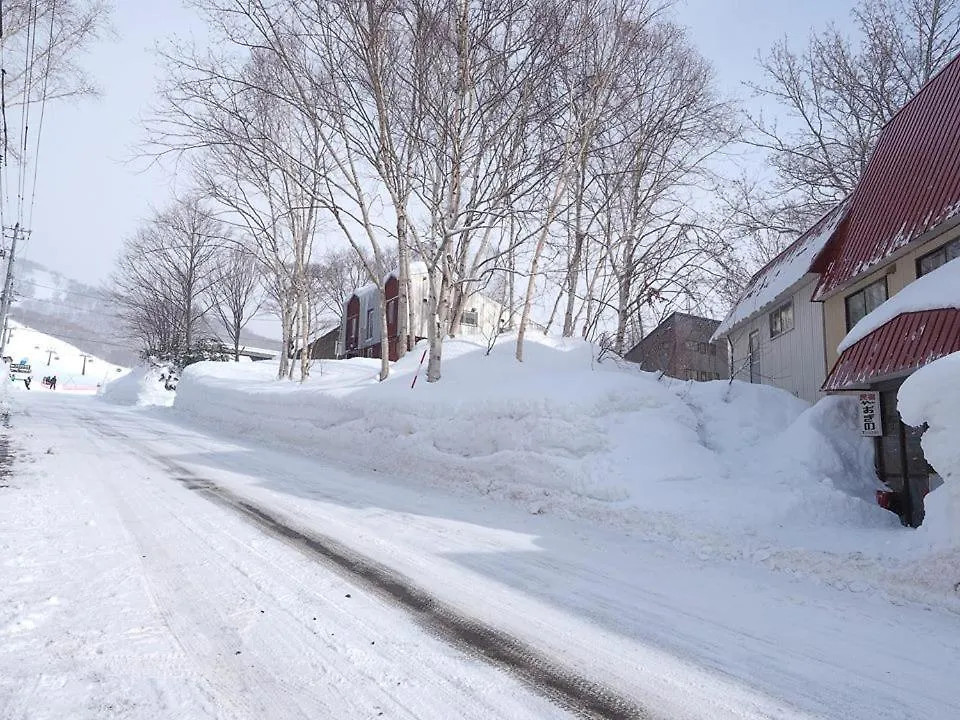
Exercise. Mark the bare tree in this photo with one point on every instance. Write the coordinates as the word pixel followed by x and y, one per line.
pixel 42 42
pixel 255 150
pixel 236 292
pixel 835 96
pixel 164 277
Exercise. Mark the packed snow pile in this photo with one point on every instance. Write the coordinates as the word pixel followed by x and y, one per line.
pixel 935 290
pixel 143 386
pixel 48 357
pixel 561 432
pixel 931 396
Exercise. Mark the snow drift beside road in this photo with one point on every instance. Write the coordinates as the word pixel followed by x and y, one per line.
pixel 141 386
pixel 561 433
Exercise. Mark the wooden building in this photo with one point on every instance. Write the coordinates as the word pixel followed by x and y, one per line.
pixel 361 331
pixel 680 347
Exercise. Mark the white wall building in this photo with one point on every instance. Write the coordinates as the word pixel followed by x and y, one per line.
pixel 775 332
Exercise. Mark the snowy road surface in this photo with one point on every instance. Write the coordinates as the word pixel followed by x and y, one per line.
pixel 151 570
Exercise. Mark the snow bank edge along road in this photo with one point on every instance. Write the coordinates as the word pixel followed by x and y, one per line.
pixel 735 466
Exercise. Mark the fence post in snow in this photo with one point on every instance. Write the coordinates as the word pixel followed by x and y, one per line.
pixel 417 373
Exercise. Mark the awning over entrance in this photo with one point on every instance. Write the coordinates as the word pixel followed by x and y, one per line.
pixel 899 347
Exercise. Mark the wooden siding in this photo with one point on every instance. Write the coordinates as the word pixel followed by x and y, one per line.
pixel 793 361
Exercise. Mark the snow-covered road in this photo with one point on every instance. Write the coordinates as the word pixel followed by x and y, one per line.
pixel 155 570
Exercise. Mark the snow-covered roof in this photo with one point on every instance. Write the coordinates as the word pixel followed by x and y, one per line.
pixel 936 290
pixel 783 272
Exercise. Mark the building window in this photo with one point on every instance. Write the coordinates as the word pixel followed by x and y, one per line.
pixel 701 348
pixel 471 317
pixel 392 311
pixel 754 354
pixel 931 261
pixel 865 301
pixel 781 319
pixel 370 324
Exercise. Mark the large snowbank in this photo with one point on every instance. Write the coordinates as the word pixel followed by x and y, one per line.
pixel 560 432
pixel 782 272
pixel 935 290
pixel 142 386
pixel 931 396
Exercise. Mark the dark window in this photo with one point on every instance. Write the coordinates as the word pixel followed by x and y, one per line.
pixel 369 323
pixel 754 356
pixel 392 311
pixel 471 317
pixel 781 319
pixel 865 301
pixel 931 261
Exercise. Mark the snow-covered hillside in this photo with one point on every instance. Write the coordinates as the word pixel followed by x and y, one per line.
pixel 88 318
pixel 49 356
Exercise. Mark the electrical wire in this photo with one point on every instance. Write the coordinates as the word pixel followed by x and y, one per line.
pixel 29 62
pixel 4 170
pixel 43 106
pixel 105 298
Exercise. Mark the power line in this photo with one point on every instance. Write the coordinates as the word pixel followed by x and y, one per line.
pixel 105 297
pixel 29 60
pixel 43 106
pixel 77 338
pixel 82 311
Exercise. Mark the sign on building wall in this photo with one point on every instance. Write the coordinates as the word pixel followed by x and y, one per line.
pixel 870 422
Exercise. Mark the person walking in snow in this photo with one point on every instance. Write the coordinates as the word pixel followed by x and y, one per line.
pixel 26 381
pixel 53 383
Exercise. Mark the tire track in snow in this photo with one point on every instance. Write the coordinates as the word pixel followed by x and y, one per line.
pixel 583 697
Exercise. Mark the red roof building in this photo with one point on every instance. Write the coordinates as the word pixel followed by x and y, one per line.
pixel 902 223
pixel 909 191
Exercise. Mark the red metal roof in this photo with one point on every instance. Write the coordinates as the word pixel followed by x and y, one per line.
pixel 911 184
pixel 904 344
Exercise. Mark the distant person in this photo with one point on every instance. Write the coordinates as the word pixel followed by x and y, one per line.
pixel 53 383
pixel 26 381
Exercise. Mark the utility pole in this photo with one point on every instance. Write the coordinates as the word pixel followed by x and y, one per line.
pixel 7 296
pixel 84 371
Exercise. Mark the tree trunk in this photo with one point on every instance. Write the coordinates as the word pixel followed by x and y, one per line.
pixel 573 277
pixel 285 335
pixel 435 326
pixel 457 306
pixel 528 298
pixel 304 335
pixel 404 316
pixel 511 281
pixel 623 315
pixel 385 339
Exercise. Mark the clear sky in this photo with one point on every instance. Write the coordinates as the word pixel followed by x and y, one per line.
pixel 90 197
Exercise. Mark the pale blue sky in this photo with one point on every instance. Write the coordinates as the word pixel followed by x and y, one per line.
pixel 89 199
